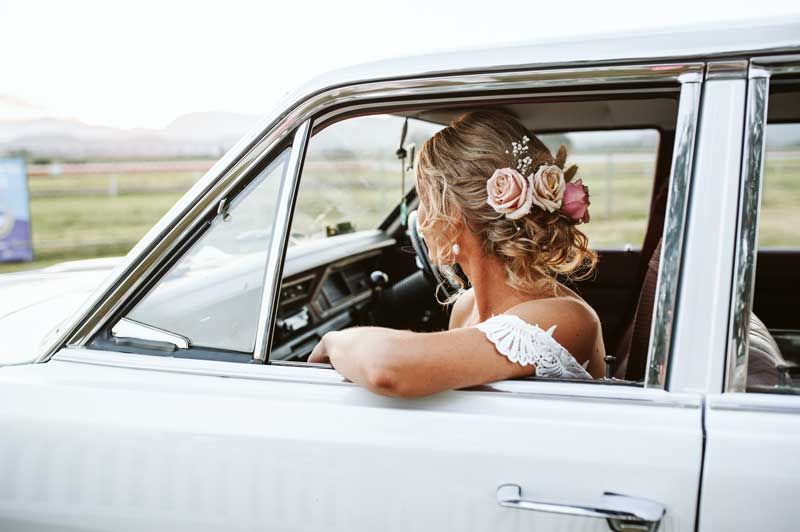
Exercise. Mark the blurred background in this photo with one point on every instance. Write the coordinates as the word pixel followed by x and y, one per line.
pixel 116 108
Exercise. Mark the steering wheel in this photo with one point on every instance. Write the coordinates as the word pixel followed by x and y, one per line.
pixel 429 269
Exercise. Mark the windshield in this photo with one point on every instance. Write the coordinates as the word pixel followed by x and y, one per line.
pixel 352 177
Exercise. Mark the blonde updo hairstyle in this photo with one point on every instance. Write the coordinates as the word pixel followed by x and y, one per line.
pixel 452 171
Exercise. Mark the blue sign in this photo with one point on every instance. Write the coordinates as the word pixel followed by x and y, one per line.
pixel 15 212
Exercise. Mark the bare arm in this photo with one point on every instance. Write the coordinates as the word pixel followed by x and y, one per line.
pixel 409 364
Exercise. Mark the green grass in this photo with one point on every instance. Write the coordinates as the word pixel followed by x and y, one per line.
pixel 74 184
pixel 69 227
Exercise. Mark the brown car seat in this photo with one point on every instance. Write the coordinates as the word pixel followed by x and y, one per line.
pixel 632 351
pixel 764 353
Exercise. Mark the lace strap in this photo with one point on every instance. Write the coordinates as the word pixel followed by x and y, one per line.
pixel 525 344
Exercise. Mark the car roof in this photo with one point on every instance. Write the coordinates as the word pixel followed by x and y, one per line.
pixel 729 39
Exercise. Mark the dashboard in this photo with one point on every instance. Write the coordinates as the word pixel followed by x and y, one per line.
pixel 326 287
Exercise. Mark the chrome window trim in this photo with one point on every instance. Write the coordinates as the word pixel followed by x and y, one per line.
pixel 663 322
pixel 775 65
pixel 733 69
pixel 539 389
pixel 749 208
pixel 188 213
pixel 756 403
pixel 277 249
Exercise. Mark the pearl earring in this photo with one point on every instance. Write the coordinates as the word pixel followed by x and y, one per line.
pixel 456 249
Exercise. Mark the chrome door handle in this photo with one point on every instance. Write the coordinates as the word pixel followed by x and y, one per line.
pixel 621 511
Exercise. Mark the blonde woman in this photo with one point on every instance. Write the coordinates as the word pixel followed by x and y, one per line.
pixel 494 200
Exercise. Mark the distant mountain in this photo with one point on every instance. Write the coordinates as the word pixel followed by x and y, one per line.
pixel 192 135
pixel 11 130
pixel 211 126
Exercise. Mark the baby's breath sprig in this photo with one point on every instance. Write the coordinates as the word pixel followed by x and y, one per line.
pixel 523 164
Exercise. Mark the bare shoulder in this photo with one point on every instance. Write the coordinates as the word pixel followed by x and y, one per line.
pixel 577 325
pixel 462 309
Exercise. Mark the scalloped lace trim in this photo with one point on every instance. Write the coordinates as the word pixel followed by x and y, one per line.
pixel 525 344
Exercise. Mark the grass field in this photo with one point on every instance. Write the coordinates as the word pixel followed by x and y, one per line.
pixel 73 218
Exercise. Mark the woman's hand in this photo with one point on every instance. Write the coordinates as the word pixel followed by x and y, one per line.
pixel 320 354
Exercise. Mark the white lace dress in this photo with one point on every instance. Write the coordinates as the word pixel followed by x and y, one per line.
pixel 525 343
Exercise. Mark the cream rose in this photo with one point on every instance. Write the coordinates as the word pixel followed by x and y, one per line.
pixel 509 193
pixel 548 187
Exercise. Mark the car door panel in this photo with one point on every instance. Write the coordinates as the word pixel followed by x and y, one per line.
pixel 137 448
pixel 751 462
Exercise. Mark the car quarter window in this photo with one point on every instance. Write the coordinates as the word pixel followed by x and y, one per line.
pixel 340 273
pixel 209 299
pixel 774 325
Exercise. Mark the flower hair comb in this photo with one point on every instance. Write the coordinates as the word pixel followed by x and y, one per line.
pixel 548 187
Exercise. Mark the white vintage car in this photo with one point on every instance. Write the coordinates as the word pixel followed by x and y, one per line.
pixel 169 390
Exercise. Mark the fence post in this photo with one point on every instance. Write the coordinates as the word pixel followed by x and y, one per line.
pixel 113 185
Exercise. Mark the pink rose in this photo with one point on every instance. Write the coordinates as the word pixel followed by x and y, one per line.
pixel 576 201
pixel 548 187
pixel 509 193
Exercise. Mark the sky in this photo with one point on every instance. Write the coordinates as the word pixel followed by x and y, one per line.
pixel 141 63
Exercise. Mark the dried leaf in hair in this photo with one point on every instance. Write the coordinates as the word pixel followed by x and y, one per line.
pixel 561 156
pixel 570 172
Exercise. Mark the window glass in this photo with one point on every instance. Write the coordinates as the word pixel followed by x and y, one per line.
pixel 774 339
pixel 618 167
pixel 781 189
pixel 352 175
pixel 211 297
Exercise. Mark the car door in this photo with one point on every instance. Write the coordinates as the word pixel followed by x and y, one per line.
pixel 110 433
pixel 751 467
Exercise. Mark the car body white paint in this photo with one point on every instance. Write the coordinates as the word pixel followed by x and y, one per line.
pixel 134 449
pixel 95 440
pixel 34 303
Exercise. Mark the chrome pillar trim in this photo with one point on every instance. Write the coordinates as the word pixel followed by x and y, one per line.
pixel 758 72
pixel 691 76
pixel 672 239
pixel 277 248
pixel 734 69
pixel 746 243
pixel 187 214
pixel 700 336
